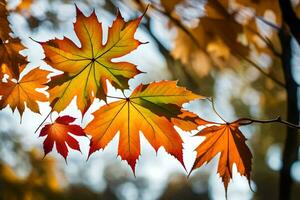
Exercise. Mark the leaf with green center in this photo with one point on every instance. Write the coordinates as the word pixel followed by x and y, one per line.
pixel 86 68
pixel 142 111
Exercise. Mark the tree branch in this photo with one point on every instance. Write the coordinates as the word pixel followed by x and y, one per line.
pixel 253 64
pixel 248 121
pixel 266 40
pixel 274 26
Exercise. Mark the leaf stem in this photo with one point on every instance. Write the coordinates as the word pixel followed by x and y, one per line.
pixel 43 121
pixel 123 94
pixel 214 109
pixel 114 97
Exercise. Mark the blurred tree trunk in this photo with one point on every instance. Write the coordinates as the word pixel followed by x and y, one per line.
pixel 290 152
pixel 290 27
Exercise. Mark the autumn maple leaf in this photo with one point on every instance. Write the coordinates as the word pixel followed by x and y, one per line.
pixel 58 133
pixel 18 93
pixel 4 24
pixel 9 47
pixel 228 140
pixel 86 68
pixel 188 121
pixel 149 109
pixel 11 58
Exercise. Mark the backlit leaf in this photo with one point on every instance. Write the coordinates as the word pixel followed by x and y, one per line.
pixel 58 133
pixel 11 58
pixel 87 67
pixel 149 109
pixel 23 92
pixel 229 141
pixel 9 47
pixel 4 24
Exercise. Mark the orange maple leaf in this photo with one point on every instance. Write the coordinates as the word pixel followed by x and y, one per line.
pixel 149 109
pixel 188 121
pixel 18 93
pixel 9 47
pixel 228 140
pixel 86 68
pixel 11 58
pixel 58 133
pixel 4 24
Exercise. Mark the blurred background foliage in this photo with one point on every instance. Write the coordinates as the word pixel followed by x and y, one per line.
pixel 226 49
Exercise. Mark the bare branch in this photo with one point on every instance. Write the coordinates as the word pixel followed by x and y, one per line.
pixel 274 26
pixel 266 40
pixel 248 121
pixel 253 64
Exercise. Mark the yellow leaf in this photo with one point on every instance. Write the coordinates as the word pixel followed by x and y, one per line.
pixel 86 68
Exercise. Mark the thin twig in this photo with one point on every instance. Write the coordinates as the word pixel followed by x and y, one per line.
pixel 268 23
pixel 253 64
pixel 266 40
pixel 248 121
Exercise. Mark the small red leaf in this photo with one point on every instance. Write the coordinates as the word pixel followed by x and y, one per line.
pixel 58 133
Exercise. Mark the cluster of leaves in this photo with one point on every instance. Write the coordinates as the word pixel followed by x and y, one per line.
pixel 154 108
pixel 224 33
pixel 17 91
